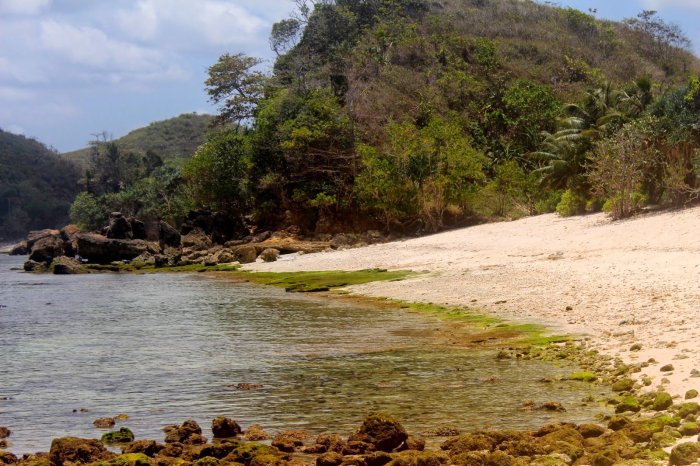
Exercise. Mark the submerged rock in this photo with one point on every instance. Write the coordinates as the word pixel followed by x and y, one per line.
pixel 188 431
pixel 5 432
pixel 123 435
pixel 103 423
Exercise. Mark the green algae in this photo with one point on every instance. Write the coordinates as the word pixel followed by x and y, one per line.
pixel 583 376
pixel 307 282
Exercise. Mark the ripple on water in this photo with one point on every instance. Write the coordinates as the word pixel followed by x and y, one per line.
pixel 166 347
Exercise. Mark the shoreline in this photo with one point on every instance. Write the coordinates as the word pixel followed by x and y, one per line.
pixel 621 284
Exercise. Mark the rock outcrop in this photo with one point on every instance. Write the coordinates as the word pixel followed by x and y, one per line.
pixel 102 250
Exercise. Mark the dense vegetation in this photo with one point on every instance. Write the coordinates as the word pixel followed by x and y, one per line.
pixel 139 174
pixel 415 116
pixel 36 186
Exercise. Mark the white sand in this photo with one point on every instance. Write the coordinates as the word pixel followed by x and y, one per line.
pixel 633 281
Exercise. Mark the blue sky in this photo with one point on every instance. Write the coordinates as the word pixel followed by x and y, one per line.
pixel 72 68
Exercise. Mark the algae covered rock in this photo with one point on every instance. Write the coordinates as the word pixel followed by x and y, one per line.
pixel 591 430
pixel 290 440
pixel 182 433
pixel 628 404
pixel 419 458
pixel 662 401
pixel 687 409
pixel 256 433
pixel 331 458
pixel 583 376
pixel 147 447
pixel 689 428
pixel 128 459
pixel 270 255
pixel 690 394
pixel 8 458
pixel 223 427
pixel 104 423
pixel 685 453
pixel 382 431
pixel 78 450
pixel 123 435
pixel 623 385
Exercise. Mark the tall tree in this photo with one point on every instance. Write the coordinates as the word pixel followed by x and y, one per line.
pixel 235 86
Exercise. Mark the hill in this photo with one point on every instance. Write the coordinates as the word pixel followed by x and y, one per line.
pixel 416 115
pixel 37 186
pixel 172 139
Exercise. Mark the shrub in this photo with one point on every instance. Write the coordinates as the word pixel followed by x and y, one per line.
pixel 571 203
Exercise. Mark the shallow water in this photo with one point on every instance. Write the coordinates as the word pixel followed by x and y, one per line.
pixel 166 347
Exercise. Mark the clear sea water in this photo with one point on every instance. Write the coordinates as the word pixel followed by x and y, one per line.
pixel 163 348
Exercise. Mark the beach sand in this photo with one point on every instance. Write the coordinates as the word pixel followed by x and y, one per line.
pixel 617 283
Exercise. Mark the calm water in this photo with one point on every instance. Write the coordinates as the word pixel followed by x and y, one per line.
pixel 164 347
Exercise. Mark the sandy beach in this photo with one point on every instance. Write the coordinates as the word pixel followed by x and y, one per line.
pixel 617 283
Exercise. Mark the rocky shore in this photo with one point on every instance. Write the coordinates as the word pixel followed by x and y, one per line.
pixel 624 439
pixel 200 241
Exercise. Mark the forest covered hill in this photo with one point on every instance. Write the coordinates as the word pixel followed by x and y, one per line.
pixel 414 116
pixel 37 186
pixel 172 139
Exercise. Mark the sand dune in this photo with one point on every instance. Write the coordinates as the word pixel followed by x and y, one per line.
pixel 633 281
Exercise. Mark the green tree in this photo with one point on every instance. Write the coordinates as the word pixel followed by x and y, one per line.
pixel 87 212
pixel 217 174
pixel 235 86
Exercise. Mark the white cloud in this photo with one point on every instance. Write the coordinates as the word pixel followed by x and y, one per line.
pixel 91 47
pixel 140 23
pixel 187 25
pixel 23 7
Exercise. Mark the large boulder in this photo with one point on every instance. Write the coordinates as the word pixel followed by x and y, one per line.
pixel 67 266
pixel 168 236
pixel 246 254
pixel 196 240
pixel 138 228
pixel 36 235
pixel 20 249
pixel 269 255
pixel 382 431
pixel 68 234
pixel 8 458
pixel 223 427
pixel 47 248
pixel 99 249
pixel 119 227
pixel 77 450
pixel 219 226
pixel 33 266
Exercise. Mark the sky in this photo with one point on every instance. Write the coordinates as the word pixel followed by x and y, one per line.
pixel 73 68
